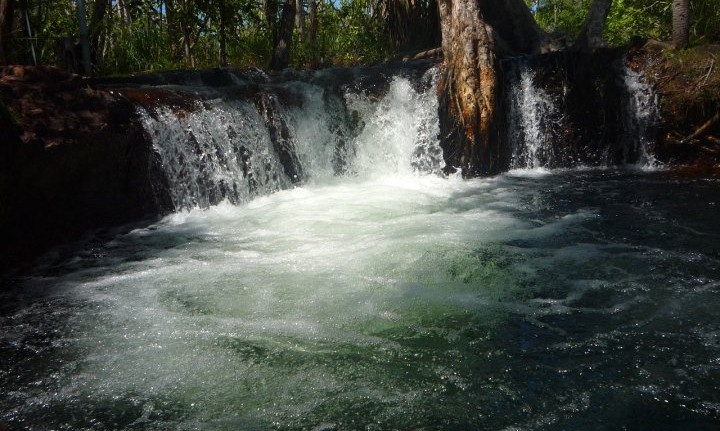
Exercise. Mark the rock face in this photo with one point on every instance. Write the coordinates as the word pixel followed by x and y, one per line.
pixel 72 158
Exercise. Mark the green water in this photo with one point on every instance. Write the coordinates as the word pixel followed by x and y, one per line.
pixel 571 300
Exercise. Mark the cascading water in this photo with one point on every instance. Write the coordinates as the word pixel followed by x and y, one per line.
pixel 235 149
pixel 641 115
pixel 569 111
pixel 532 117
pixel 362 295
pixel 221 150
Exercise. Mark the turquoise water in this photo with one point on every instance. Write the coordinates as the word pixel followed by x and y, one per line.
pixel 581 299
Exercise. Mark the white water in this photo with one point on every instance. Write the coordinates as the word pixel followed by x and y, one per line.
pixel 532 116
pixel 642 114
pixel 278 311
pixel 538 124
pixel 385 298
pixel 223 149
pixel 262 313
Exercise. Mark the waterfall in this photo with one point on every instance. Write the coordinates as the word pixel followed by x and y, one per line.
pixel 571 109
pixel 233 143
pixel 248 136
pixel 641 114
pixel 532 115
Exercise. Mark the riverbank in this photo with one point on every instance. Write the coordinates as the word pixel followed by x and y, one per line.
pixel 73 160
pixel 687 84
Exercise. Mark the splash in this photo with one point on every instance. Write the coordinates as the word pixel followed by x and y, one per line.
pixel 284 135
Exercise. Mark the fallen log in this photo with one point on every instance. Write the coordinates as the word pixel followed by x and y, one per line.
pixel 702 129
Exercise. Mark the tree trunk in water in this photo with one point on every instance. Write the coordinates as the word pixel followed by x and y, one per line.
pixel 681 23
pixel 7 15
pixel 591 35
pixel 470 86
pixel 475 35
pixel 187 47
pixel 281 45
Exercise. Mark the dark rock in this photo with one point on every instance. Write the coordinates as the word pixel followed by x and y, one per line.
pixel 76 160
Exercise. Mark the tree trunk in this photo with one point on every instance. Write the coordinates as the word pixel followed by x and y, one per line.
pixel 313 34
pixel 124 12
pixel 98 15
pixel 84 39
pixel 475 35
pixel 591 35
pixel 470 86
pixel 270 7
pixel 681 23
pixel 187 47
pixel 223 40
pixel 173 29
pixel 514 23
pixel 300 19
pixel 281 45
pixel 7 16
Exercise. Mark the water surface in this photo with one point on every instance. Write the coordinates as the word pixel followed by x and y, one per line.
pixel 578 299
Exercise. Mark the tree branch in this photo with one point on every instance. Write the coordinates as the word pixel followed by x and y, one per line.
pixel 702 129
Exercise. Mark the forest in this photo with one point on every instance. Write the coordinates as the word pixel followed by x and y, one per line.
pixel 135 36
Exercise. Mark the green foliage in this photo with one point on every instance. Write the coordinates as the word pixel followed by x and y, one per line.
pixel 630 18
pixel 350 34
pixel 146 37
pixel 152 35
pixel 560 15
pixel 137 47
pixel 705 25
pixel 51 19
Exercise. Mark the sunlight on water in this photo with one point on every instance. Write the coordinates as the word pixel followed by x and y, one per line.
pixel 395 302
pixel 371 293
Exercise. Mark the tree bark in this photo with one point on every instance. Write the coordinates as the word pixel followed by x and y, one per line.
pixel 475 35
pixel 7 16
pixel 173 29
pixel 514 23
pixel 124 12
pixel 270 8
pixel 591 35
pixel 681 23
pixel 470 86
pixel 187 46
pixel 281 45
